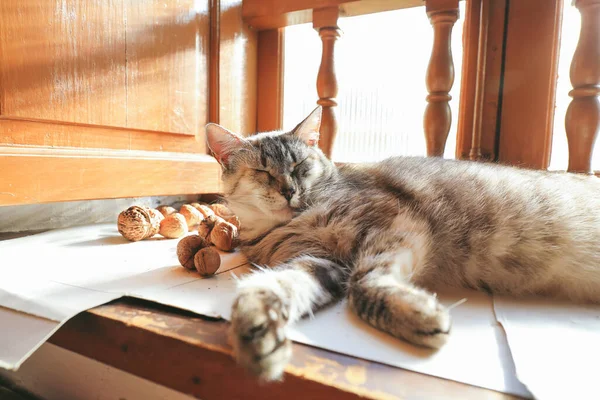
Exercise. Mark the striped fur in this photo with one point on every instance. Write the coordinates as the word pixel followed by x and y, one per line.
pixel 387 234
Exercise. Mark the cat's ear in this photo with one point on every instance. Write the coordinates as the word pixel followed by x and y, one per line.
pixel 223 143
pixel 308 130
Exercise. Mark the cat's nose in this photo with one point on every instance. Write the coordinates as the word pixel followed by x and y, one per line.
pixel 288 193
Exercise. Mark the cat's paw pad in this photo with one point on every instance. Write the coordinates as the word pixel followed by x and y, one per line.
pixel 258 337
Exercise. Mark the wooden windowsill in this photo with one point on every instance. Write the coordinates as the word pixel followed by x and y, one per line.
pixel 190 354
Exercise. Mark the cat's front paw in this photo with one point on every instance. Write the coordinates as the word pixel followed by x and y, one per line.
pixel 424 320
pixel 258 322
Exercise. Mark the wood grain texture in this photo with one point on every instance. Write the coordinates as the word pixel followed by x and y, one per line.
pixel 270 62
pixel 127 63
pixel 63 60
pixel 53 373
pixel 529 82
pixel 440 75
pixel 486 110
pixel 105 99
pixel 190 354
pixel 26 132
pixel 325 21
pixel 237 70
pixel 167 65
pixel 582 121
pixel 214 62
pixel 31 175
pixel 272 14
pixel 468 80
pixel 475 153
pixel 489 106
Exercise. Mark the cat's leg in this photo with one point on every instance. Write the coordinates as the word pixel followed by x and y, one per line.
pixel 269 300
pixel 381 293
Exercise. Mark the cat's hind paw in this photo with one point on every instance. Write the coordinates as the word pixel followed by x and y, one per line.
pixel 257 334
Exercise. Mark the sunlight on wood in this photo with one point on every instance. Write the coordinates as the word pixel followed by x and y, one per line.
pixel 381 63
pixel 571 26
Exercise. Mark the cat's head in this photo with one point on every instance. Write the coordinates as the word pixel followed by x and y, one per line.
pixel 267 176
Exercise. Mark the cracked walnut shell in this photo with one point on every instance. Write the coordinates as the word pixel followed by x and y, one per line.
pixel 138 223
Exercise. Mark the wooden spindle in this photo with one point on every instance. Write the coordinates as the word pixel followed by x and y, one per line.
pixel 582 121
pixel 325 22
pixel 440 75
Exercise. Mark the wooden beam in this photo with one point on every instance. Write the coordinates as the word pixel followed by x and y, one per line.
pixel 270 62
pixel 475 153
pixel 41 175
pixel 214 62
pixel 271 14
pixel 479 138
pixel 470 41
pixel 190 354
pixel 529 82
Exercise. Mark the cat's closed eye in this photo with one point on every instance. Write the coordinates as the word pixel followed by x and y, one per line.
pixel 265 174
pixel 300 169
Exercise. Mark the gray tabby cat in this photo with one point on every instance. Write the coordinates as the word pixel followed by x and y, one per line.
pixel 386 234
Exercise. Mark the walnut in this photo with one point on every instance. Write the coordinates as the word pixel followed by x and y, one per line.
pixel 224 235
pixel 206 226
pixel 192 216
pixel 222 210
pixel 204 209
pixel 235 221
pixel 204 230
pixel 156 218
pixel 138 223
pixel 207 261
pixel 173 226
pixel 166 210
pixel 187 249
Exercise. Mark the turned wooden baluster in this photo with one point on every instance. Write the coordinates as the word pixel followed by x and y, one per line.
pixel 440 75
pixel 325 22
pixel 582 121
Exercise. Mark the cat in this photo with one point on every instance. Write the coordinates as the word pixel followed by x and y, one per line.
pixel 386 234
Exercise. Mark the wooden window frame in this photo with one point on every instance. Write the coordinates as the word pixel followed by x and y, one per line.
pixel 506 110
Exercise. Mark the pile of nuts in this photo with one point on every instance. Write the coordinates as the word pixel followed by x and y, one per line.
pixel 215 224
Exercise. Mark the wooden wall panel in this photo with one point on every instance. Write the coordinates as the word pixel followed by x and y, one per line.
pixel 24 132
pixel 108 99
pixel 237 70
pixel 270 63
pixel 139 64
pixel 63 60
pixel 167 65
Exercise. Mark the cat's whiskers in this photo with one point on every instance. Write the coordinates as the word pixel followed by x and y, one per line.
pixel 458 303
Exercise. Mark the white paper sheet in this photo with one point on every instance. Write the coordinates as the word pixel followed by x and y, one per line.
pixel 71 270
pixel 555 346
pixel 21 335
pixel 476 352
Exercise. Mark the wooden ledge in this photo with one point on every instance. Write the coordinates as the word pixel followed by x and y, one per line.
pixel 42 175
pixel 270 14
pixel 190 354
